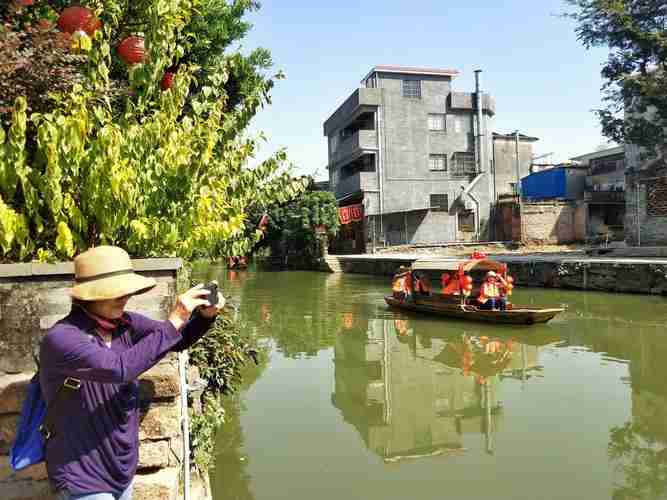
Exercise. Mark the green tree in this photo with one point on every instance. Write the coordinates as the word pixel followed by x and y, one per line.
pixel 116 159
pixel 635 78
pixel 293 227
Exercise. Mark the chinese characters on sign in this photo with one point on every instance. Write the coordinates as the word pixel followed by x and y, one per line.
pixel 352 213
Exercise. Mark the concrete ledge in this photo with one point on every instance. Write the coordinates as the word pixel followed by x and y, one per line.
pixel 13 391
pixel 161 381
pixel 34 472
pixel 161 485
pixel 26 490
pixel 67 268
pixel 162 420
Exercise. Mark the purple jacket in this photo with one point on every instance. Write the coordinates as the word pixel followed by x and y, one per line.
pixel 96 443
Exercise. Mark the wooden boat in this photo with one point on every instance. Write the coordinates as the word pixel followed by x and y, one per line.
pixel 518 315
pixel 461 308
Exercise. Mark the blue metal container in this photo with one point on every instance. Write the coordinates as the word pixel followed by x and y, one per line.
pixel 546 184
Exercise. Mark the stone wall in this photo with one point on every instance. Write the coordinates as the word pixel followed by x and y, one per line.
pixel 577 273
pixel 32 298
pixel 554 222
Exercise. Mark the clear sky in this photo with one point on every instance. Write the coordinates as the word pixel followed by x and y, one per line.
pixel 544 81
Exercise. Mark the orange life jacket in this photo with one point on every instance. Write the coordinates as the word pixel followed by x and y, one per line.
pixel 397 285
pixel 453 287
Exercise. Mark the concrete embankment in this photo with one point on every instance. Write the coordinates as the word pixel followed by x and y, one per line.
pixel 578 271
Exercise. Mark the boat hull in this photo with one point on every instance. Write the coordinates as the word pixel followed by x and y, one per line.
pixel 518 315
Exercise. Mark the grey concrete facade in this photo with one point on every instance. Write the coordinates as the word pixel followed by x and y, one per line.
pixel 604 193
pixel 411 159
pixel 506 175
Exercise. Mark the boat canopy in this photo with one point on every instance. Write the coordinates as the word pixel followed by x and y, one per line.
pixel 459 265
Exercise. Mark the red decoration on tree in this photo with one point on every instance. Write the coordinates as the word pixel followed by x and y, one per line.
pixel 477 255
pixel 167 80
pixel 131 50
pixel 78 19
pixel 25 3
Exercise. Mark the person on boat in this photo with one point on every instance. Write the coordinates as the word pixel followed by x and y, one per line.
pixel 422 284
pixel 398 286
pixel 450 284
pixel 490 297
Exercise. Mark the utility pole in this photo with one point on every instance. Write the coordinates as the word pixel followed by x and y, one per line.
pixel 518 183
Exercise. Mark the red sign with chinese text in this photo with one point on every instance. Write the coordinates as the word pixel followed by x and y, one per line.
pixel 351 213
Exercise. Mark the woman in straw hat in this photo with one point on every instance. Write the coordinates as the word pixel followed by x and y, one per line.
pixel 93 442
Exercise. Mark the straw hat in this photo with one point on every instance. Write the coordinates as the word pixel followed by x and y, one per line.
pixel 491 274
pixel 106 272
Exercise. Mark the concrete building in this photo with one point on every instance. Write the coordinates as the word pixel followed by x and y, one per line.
pixel 506 172
pixel 417 156
pixel 604 192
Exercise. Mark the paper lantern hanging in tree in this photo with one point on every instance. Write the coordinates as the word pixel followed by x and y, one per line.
pixel 75 19
pixel 167 80
pixel 132 50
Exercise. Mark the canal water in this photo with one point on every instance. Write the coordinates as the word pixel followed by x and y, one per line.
pixel 355 401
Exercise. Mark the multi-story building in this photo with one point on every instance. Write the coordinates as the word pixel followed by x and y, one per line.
pixel 417 156
pixel 604 192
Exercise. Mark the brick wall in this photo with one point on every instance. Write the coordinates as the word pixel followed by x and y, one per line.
pixel 646 204
pixel 553 222
pixel 32 298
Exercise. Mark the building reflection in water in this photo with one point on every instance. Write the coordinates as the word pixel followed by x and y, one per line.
pixel 412 396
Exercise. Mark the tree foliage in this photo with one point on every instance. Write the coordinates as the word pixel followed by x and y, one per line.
pixel 114 159
pixel 635 73
pixel 292 226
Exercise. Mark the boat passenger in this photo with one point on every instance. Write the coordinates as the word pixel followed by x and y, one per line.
pixel 422 284
pixel 397 286
pixel 490 298
pixel 450 284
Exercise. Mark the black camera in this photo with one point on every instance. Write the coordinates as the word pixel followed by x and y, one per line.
pixel 212 297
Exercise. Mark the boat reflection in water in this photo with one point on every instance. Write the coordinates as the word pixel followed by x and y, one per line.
pixel 413 396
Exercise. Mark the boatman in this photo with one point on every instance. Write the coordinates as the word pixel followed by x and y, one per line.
pixel 490 298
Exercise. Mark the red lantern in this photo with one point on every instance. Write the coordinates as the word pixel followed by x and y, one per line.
pixel 167 80
pixel 131 50
pixel 477 255
pixel 78 19
pixel 25 3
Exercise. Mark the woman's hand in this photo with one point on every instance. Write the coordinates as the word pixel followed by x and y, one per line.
pixel 187 302
pixel 211 311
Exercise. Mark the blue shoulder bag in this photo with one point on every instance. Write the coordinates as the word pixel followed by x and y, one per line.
pixel 36 424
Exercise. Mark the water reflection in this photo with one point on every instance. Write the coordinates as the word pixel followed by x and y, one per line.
pixel 412 395
pixel 412 387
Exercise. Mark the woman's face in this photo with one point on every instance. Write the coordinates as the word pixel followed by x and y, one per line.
pixel 109 309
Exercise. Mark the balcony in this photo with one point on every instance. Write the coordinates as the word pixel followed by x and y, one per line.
pixel 354 146
pixel 361 100
pixel 610 197
pixel 361 181
pixel 466 101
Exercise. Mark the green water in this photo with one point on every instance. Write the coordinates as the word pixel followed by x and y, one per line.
pixel 360 402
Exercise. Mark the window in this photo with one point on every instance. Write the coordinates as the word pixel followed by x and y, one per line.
pixel 333 143
pixel 412 89
pixel 436 121
pixel 458 124
pixel 467 221
pixel 437 162
pixel 439 203
pixel 334 177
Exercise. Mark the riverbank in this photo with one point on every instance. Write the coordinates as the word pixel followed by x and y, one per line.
pixel 570 270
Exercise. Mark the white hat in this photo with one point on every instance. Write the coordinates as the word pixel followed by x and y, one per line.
pixel 491 274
